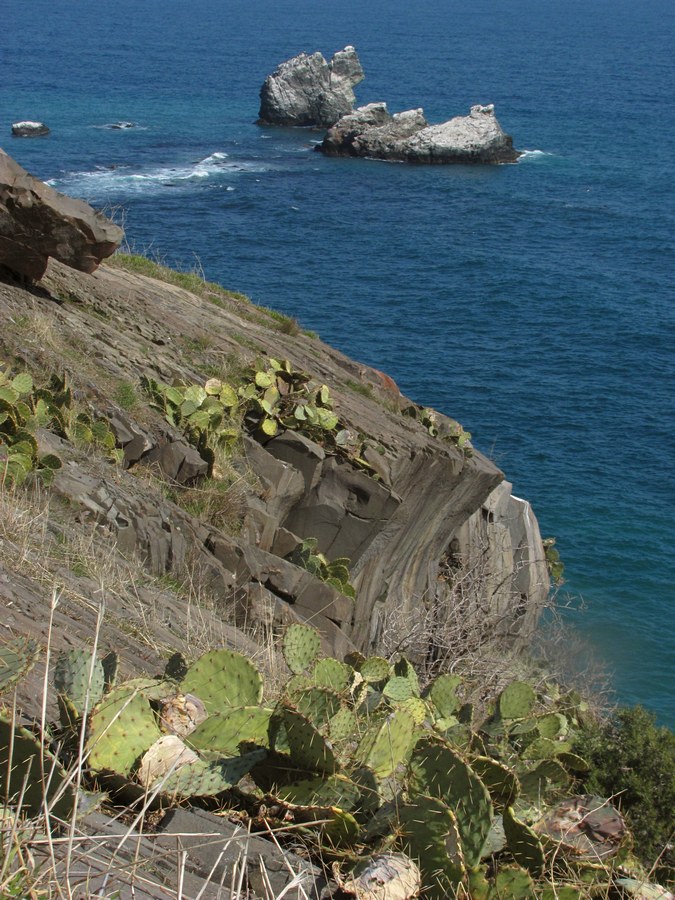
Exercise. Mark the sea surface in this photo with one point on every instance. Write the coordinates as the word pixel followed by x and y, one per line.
pixel 534 302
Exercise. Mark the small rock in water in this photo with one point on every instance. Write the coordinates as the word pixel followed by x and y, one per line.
pixel 29 129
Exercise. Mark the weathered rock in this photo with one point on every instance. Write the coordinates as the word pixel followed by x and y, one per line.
pixel 306 90
pixel 37 222
pixel 29 129
pixel 371 131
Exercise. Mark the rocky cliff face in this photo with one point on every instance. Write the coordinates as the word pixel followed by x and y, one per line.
pixel 413 524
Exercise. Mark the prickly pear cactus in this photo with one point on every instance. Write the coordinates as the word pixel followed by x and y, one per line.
pixel 30 777
pixel 203 778
pixel 301 646
pixel 122 727
pixel 375 669
pixel 501 782
pixel 430 836
pixel 386 744
pixel 307 747
pixel 224 732
pixel 322 792
pixel 438 771
pixel 80 678
pixel 222 678
pixel 17 658
pixel 517 700
pixel 330 673
pixel 523 843
pixel 443 694
pixel 513 883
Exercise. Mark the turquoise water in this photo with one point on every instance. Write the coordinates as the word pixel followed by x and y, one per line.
pixel 532 302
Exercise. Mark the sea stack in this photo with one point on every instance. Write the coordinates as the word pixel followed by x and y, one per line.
pixel 306 90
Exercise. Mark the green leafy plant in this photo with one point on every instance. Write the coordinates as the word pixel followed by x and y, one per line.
pixel 555 565
pixel 335 573
pixel 441 427
pixel 629 757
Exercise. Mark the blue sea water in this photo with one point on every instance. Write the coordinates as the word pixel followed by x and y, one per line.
pixel 532 302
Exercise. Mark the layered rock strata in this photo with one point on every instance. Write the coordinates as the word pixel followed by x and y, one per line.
pixel 372 132
pixel 307 90
pixel 37 222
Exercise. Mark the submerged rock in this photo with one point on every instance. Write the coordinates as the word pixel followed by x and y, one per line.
pixel 372 132
pixel 306 90
pixel 29 129
pixel 37 222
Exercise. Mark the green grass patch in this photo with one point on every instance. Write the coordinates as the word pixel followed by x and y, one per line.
pixel 190 281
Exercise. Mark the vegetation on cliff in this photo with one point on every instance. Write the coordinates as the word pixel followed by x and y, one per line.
pixel 144 511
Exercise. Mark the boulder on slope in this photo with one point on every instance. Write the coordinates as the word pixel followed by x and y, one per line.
pixel 306 90
pixel 37 222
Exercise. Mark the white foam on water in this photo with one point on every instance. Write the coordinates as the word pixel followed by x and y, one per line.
pixel 123 180
pixel 533 155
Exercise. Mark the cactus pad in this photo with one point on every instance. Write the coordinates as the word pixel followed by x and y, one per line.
pixel 386 744
pixel 398 688
pixel 80 678
pixel 523 843
pixel 513 883
pixel 439 771
pixel 17 658
pixel 323 792
pixel 443 694
pixel 330 673
pixel 375 669
pixel 208 779
pixel 403 668
pixel 317 704
pixel 307 748
pixel 429 835
pixel 34 773
pixel 301 646
pixel 122 727
pixel 516 700
pixel 501 782
pixel 222 678
pixel 343 726
pixel 225 731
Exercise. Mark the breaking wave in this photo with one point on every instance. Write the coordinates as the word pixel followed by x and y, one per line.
pixel 123 180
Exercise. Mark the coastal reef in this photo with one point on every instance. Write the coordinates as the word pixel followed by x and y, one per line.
pixel 305 90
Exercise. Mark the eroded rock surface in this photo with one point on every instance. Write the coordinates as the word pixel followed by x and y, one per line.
pixel 372 132
pixel 306 90
pixel 37 222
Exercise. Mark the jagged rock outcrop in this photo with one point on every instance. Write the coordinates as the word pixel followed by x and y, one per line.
pixel 37 222
pixel 372 132
pixel 306 90
pixel 29 129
